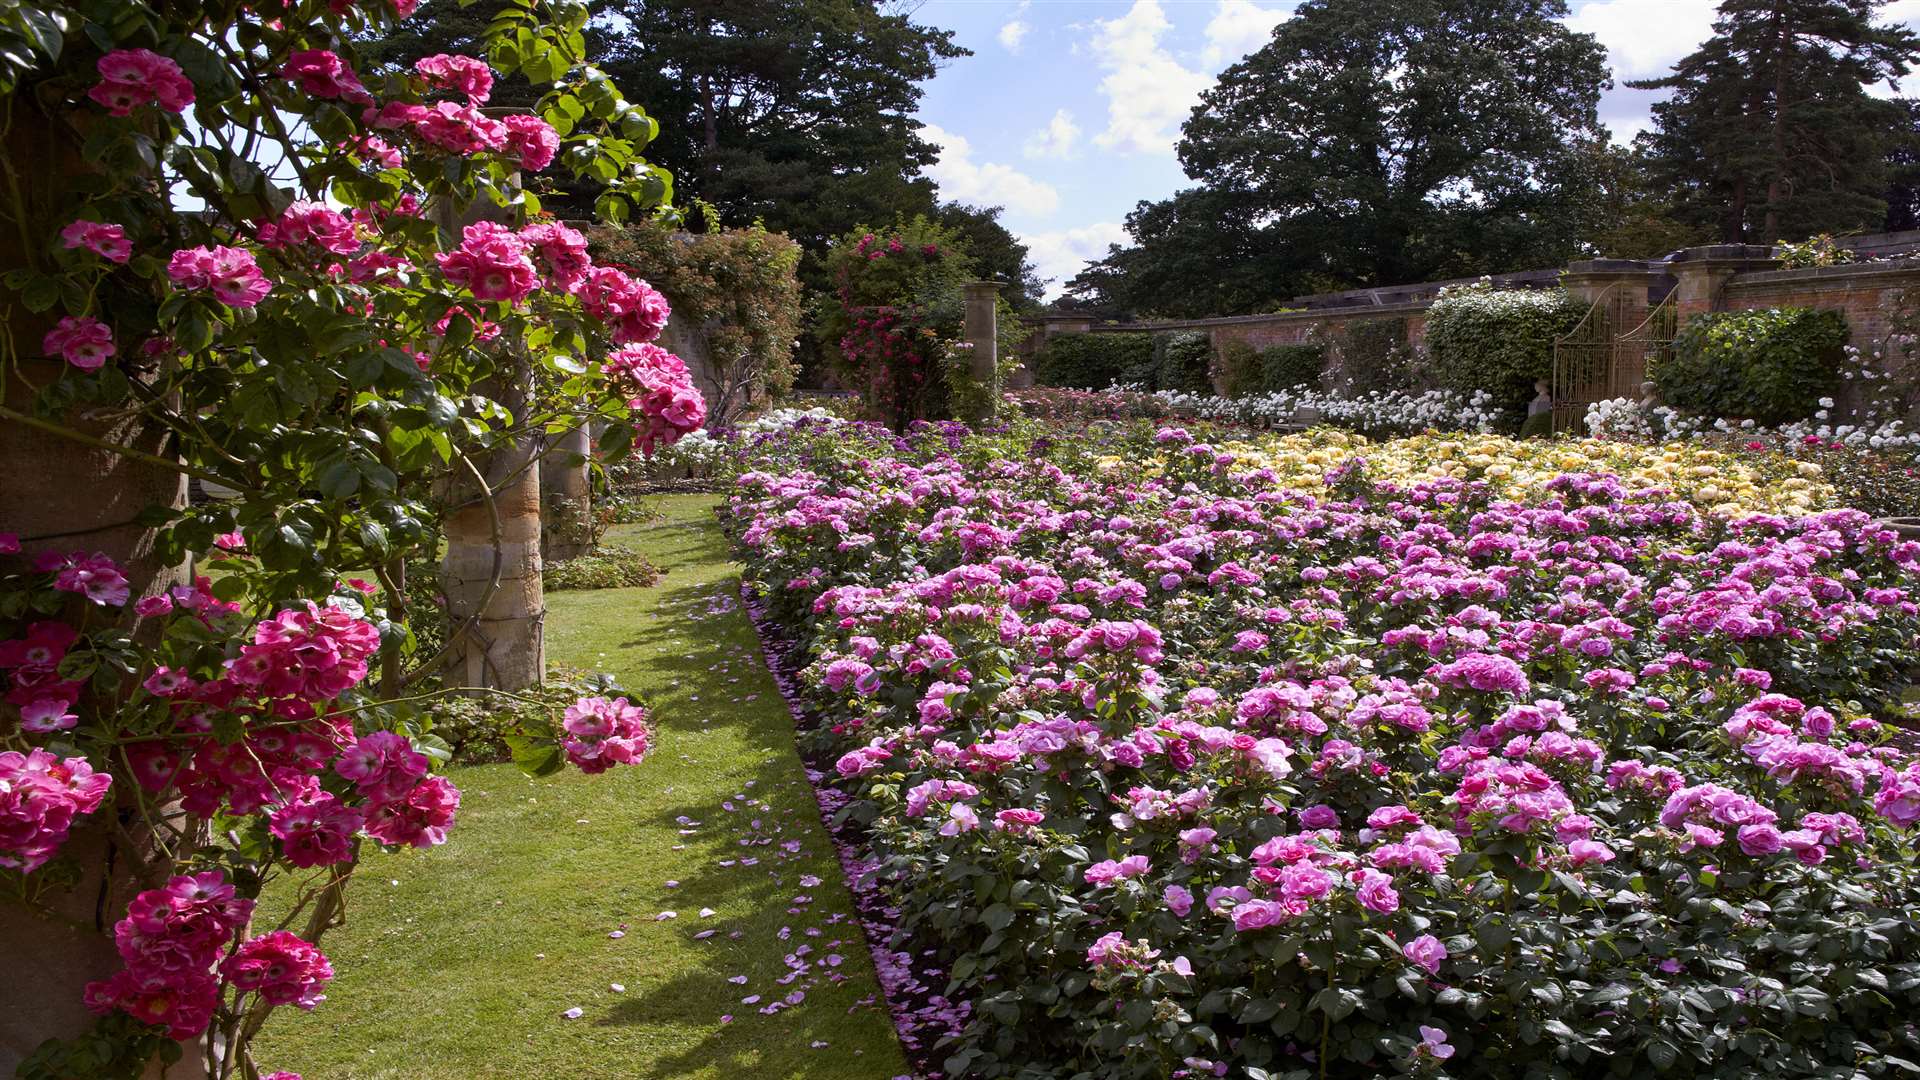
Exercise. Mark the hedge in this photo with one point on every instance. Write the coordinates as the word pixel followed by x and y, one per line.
pixel 1498 340
pixel 1374 357
pixel 1095 361
pixel 1772 366
pixel 1240 370
pixel 1182 361
pixel 1285 367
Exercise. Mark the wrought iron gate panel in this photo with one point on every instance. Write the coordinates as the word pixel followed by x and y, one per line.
pixel 1601 358
pixel 1583 361
pixel 1638 352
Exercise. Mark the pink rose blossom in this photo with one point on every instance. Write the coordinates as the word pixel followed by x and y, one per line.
pixel 130 78
pixel 85 343
pixel 107 241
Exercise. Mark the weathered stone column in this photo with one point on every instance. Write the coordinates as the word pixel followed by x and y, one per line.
pixel 982 332
pixel 1703 273
pixel 491 571
pixel 496 600
pixel 1624 282
pixel 61 495
pixel 566 495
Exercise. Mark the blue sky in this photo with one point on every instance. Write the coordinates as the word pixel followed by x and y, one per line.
pixel 1068 111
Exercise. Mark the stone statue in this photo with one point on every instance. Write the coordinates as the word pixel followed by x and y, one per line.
pixel 1539 412
pixel 1649 396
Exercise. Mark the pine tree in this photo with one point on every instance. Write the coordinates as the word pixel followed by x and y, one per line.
pixel 1770 133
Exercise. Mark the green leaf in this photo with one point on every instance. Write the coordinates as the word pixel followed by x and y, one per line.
pixel 536 757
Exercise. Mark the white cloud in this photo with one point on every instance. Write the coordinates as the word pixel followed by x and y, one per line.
pixel 1148 92
pixel 1643 38
pixel 1061 253
pixel 1012 34
pixel 1237 28
pixel 985 183
pixel 1058 139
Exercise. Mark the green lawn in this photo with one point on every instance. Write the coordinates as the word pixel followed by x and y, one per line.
pixel 460 961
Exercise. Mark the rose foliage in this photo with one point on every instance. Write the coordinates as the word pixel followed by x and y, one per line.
pixel 1189 773
pixel 332 290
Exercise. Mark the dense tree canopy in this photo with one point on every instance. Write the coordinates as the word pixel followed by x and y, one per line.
pixel 1196 254
pixel 1770 133
pixel 995 252
pixel 797 113
pixel 1374 143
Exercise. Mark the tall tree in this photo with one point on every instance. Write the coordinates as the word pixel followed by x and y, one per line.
pixel 1770 132
pixel 1903 171
pixel 996 253
pixel 794 113
pixel 1387 143
pixel 1196 254
pixel 797 113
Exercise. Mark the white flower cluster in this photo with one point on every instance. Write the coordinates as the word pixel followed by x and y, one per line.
pixel 1622 418
pixel 1396 412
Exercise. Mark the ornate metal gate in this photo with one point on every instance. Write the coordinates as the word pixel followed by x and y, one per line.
pixel 1602 358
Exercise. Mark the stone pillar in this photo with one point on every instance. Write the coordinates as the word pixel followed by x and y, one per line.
pixel 982 332
pixel 1703 273
pixel 566 495
pixel 1624 282
pixel 60 495
pixel 499 627
pixel 504 648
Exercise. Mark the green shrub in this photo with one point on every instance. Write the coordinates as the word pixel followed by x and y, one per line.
pixel 735 289
pixel 1182 362
pixel 1772 366
pixel 607 567
pixel 1498 340
pixel 1286 367
pixel 1239 367
pixel 477 727
pixel 1374 357
pixel 1095 361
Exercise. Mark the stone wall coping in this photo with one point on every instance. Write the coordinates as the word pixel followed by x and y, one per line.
pixel 1845 271
pixel 1407 307
pixel 1722 253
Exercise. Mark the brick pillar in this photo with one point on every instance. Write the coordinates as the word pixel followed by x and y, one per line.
pixel 982 331
pixel 1703 273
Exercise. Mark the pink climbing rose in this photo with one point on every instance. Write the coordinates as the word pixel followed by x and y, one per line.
pixel 600 733
pixel 232 275
pixel 461 74
pixel 107 241
pixel 85 343
pixel 491 261
pixel 130 78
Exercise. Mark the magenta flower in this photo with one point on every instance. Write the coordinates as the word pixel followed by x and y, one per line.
pixel 107 241
pixel 85 343
pixel 131 78
pixel 230 273
pixel 1426 952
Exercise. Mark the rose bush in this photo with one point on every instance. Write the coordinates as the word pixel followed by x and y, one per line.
pixel 367 301
pixel 1190 768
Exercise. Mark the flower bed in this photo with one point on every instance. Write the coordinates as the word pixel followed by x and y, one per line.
pixel 1190 766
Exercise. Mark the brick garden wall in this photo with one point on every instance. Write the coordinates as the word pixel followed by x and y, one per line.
pixel 1719 278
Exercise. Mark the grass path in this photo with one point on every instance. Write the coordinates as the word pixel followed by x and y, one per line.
pixel 458 962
